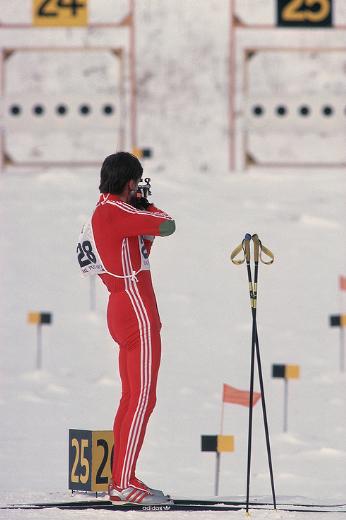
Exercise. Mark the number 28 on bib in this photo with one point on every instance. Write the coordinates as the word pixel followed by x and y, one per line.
pixel 87 254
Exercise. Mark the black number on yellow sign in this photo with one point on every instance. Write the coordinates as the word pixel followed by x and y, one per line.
pixel 304 13
pixel 43 9
pixel 51 7
pixel 90 459
pixel 100 477
pixel 60 13
pixel 73 5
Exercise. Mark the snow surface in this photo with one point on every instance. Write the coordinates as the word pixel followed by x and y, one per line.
pixel 203 300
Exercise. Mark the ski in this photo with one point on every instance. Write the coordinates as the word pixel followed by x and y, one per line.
pixel 253 503
pixel 181 505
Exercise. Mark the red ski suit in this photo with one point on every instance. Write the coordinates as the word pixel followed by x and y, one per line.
pixel 123 237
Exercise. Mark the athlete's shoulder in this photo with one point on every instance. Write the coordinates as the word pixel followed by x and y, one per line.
pixel 129 209
pixel 123 206
pixel 115 205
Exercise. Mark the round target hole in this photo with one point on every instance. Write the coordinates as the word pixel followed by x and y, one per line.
pixel 15 110
pixel 108 110
pixel 281 110
pixel 85 110
pixel 38 110
pixel 304 110
pixel 61 110
pixel 327 110
pixel 258 110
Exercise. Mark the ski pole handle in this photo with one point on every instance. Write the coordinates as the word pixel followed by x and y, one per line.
pixel 259 251
pixel 246 241
pixel 256 244
pixel 259 248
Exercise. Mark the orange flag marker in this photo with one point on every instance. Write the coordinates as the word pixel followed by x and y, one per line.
pixel 242 397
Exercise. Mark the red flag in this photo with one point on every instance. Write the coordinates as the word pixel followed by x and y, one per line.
pixel 342 283
pixel 232 395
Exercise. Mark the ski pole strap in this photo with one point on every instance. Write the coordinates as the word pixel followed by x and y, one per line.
pixel 235 253
pixel 259 248
pixel 260 251
pixel 268 254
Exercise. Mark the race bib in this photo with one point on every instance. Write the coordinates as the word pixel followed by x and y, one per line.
pixel 145 265
pixel 90 261
pixel 88 257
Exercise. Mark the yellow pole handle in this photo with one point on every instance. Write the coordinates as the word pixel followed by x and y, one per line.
pixel 247 250
pixel 256 243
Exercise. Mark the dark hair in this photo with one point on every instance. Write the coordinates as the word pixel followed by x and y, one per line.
pixel 118 169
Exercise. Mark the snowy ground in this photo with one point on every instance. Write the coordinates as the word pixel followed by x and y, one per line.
pixel 204 305
pixel 202 297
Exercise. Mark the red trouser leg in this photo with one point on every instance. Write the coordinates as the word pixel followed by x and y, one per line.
pixel 139 361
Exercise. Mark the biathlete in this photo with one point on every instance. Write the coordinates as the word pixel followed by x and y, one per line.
pixel 116 244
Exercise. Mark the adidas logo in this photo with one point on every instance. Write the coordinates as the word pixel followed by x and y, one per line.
pixel 156 508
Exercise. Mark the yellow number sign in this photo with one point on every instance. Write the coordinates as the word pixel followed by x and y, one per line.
pixel 60 13
pixel 306 13
pixel 102 459
pixel 90 459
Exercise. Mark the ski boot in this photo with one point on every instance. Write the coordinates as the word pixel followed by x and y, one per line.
pixel 133 495
pixel 138 484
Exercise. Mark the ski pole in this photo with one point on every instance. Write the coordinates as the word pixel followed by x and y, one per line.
pixel 252 369
pixel 245 247
pixel 258 249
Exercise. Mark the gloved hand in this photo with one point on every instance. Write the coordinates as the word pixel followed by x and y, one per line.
pixel 140 203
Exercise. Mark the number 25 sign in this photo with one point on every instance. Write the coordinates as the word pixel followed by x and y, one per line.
pixel 60 13
pixel 304 13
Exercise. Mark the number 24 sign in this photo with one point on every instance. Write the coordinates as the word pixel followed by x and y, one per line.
pixel 60 13
pixel 304 13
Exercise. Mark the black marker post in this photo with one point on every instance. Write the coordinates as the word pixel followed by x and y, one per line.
pixel 339 320
pixel 39 319
pixel 286 372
